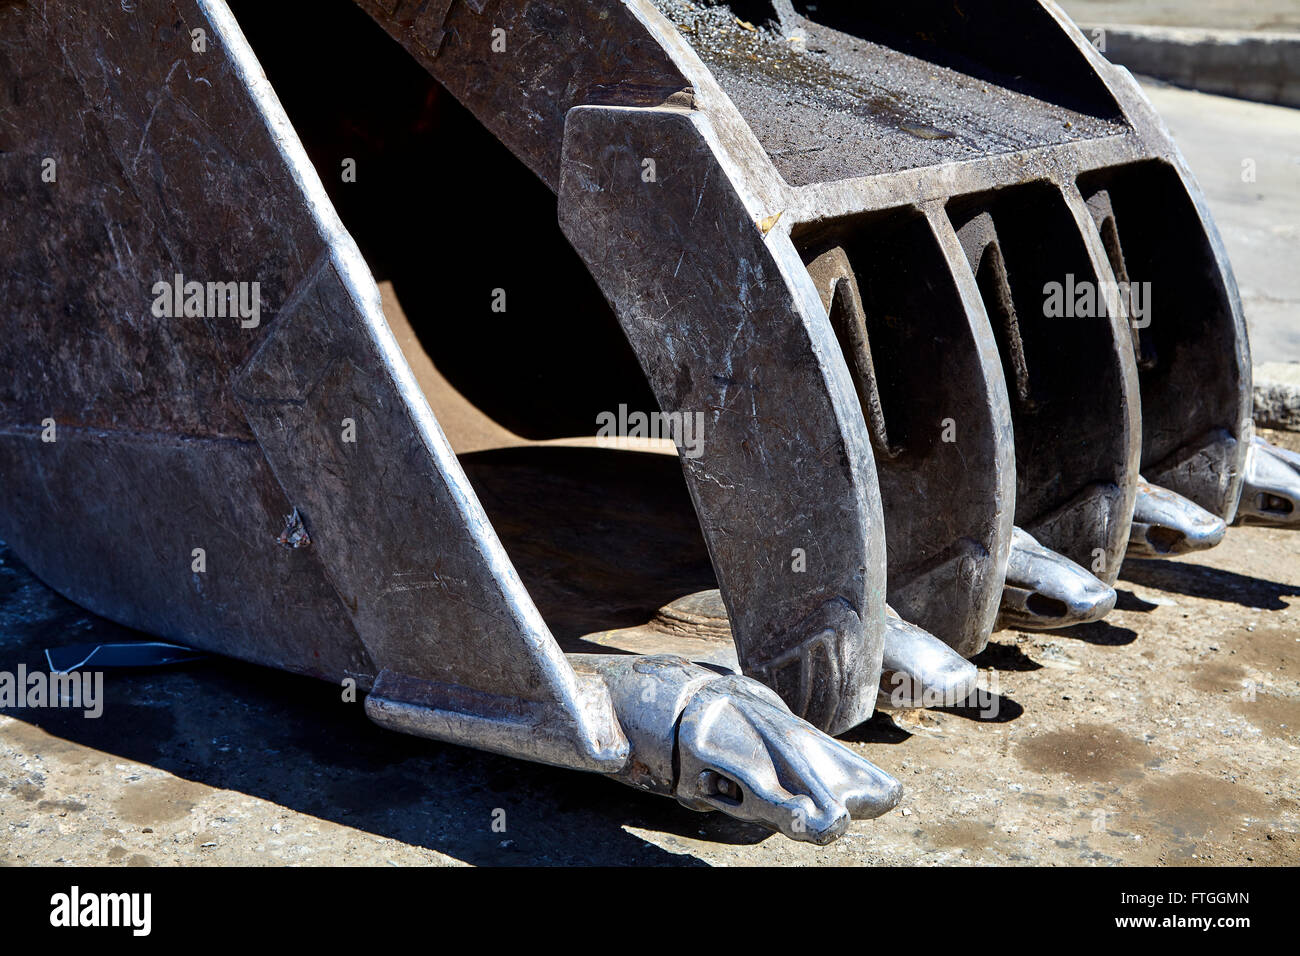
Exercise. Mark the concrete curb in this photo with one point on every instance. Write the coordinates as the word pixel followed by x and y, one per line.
pixel 1248 65
pixel 1277 395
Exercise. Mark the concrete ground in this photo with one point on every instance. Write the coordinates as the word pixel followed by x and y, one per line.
pixel 1245 155
pixel 1259 219
pixel 1280 15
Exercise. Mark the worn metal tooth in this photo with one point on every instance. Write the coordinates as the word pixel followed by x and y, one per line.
pixel 728 743
pixel 1165 523
pixel 1270 493
pixel 742 751
pixel 919 670
pixel 1046 590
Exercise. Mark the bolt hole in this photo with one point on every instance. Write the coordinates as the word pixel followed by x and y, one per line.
pixel 1272 504
pixel 721 788
pixel 1164 540
pixel 1040 605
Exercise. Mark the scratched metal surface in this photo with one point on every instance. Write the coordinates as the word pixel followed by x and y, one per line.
pixel 153 456
pixel 786 465
pixel 945 416
pixel 182 147
pixel 573 54
pixel 1074 397
pixel 787 461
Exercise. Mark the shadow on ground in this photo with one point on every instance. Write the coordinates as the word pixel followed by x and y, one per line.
pixel 1214 584
pixel 293 741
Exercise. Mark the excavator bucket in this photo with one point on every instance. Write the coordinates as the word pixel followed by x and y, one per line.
pixel 374 366
pixel 212 434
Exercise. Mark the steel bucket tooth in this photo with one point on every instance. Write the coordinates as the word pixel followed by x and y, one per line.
pixel 919 670
pixel 726 742
pixel 1046 590
pixel 1270 492
pixel 1165 524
